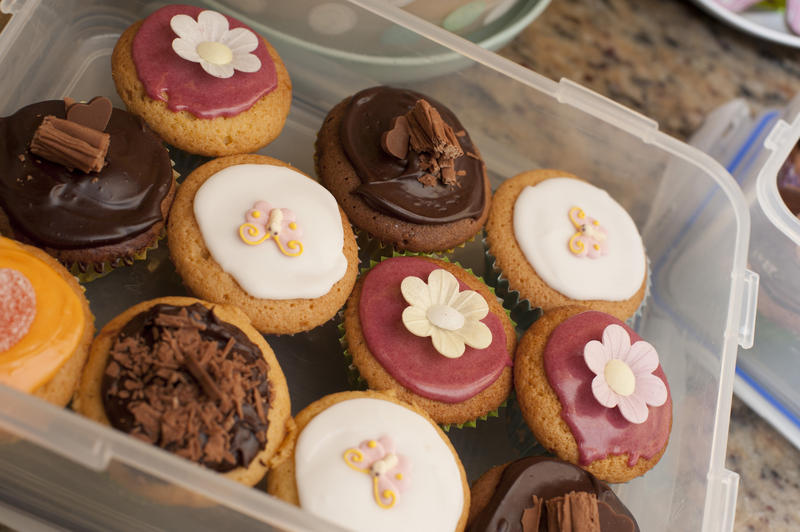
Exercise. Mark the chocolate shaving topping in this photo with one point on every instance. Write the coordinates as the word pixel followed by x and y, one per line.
pixel 180 378
pixel 531 517
pixel 576 511
pixel 423 131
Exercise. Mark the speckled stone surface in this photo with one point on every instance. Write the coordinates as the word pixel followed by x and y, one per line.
pixel 672 62
pixel 667 59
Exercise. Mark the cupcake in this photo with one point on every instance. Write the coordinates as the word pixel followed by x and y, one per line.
pixel 45 324
pixel 204 81
pixel 193 378
pixel 558 240
pixel 252 231
pixel 404 170
pixel 367 461
pixel 593 392
pixel 89 184
pixel 433 334
pixel 542 493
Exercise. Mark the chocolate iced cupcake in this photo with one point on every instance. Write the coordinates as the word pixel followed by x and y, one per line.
pixel 541 493
pixel 404 170
pixel 193 378
pixel 89 184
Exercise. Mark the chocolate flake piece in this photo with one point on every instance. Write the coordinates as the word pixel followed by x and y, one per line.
pixel 423 131
pixel 70 144
pixel 532 516
pixel 429 133
pixel 576 511
pixel 428 180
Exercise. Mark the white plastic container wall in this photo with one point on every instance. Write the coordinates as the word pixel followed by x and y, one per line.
pixel 62 469
pixel 754 149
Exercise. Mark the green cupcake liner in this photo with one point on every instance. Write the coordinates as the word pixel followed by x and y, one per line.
pixel 524 312
pixel 373 248
pixel 358 382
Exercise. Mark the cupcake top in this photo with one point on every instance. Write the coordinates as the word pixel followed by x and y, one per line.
pixel 415 160
pixel 372 464
pixel 53 200
pixel 179 377
pixel 277 232
pixel 201 61
pixel 42 319
pixel 613 393
pixel 453 347
pixel 534 492
pixel 579 240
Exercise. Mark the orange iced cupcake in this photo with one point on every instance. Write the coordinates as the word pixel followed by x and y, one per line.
pixel 45 324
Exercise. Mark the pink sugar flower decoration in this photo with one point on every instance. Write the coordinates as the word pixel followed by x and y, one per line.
pixel 263 222
pixel 389 471
pixel 624 374
pixel 590 238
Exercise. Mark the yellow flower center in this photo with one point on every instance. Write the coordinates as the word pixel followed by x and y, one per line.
pixel 619 377
pixel 215 53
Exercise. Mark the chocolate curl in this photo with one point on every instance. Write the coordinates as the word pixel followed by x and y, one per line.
pixel 533 515
pixel 576 511
pixel 429 133
pixel 70 144
pixel 423 131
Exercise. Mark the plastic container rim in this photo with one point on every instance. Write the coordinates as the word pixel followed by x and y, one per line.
pixel 767 183
pixel 530 12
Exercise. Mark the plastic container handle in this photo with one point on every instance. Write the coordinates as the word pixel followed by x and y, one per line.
pixel 747 324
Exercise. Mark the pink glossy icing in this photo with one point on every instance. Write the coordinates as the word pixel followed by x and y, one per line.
pixel 183 84
pixel 412 360
pixel 599 431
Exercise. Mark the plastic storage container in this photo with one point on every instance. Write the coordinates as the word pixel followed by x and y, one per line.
pixel 61 469
pixel 753 148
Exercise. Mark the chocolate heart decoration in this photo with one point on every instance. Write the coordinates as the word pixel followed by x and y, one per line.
pixel 395 141
pixel 94 114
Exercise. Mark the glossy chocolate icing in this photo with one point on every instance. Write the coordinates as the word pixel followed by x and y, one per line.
pixel 547 478
pixel 391 185
pixel 246 431
pixel 53 206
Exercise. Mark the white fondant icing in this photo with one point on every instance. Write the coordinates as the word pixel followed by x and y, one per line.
pixel 263 271
pixel 542 228
pixel 329 488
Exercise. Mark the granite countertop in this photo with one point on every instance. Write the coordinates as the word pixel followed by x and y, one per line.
pixel 672 62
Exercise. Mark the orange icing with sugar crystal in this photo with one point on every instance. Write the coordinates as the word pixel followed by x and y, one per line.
pixel 55 331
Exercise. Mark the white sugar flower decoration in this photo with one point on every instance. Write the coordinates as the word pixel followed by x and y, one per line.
pixel 451 318
pixel 208 41
pixel 624 374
